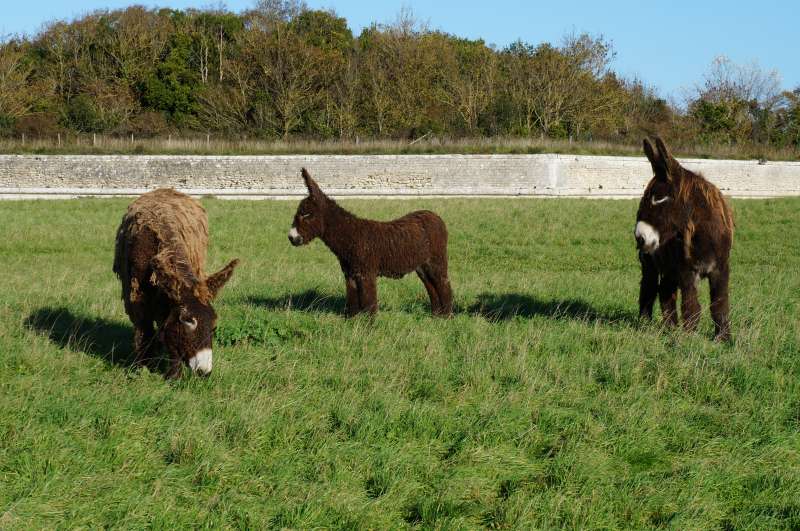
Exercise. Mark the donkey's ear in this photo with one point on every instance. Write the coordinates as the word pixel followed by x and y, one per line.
pixel 657 160
pixel 216 281
pixel 313 189
pixel 652 156
pixel 662 148
pixel 672 164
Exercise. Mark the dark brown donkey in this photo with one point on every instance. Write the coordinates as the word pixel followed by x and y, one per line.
pixel 367 249
pixel 160 260
pixel 684 232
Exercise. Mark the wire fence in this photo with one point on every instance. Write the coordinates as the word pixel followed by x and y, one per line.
pixel 209 144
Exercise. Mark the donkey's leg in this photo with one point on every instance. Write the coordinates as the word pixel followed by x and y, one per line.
pixel 174 370
pixel 442 283
pixel 648 288
pixel 138 306
pixel 718 282
pixel 351 301
pixel 690 307
pixel 144 342
pixel 430 288
pixel 368 293
pixel 668 297
pixel 436 271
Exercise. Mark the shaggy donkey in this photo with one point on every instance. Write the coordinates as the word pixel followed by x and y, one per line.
pixel 684 232
pixel 367 249
pixel 159 258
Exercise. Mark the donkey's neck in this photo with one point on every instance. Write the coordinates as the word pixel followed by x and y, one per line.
pixel 338 233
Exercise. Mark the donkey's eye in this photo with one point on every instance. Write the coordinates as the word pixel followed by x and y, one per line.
pixel 304 216
pixel 655 201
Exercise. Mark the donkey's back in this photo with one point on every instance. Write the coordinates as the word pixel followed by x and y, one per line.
pixel 404 244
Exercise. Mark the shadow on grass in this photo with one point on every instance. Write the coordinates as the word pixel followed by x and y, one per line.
pixel 314 301
pixel 492 306
pixel 509 305
pixel 104 339
pixel 307 301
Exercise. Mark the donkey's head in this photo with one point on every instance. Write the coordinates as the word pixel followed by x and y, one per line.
pixel 309 220
pixel 189 328
pixel 661 212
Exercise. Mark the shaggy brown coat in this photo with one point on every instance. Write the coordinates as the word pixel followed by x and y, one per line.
pixel 684 232
pixel 367 249
pixel 160 258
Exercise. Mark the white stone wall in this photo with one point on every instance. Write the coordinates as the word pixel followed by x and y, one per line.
pixel 374 175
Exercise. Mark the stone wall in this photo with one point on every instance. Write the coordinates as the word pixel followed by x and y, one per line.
pixel 374 175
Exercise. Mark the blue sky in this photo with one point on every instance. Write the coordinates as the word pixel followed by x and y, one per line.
pixel 668 44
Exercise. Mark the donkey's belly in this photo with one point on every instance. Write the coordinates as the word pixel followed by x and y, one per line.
pixel 402 264
pixel 395 273
pixel 403 252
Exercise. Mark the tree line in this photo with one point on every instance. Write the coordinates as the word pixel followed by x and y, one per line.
pixel 281 70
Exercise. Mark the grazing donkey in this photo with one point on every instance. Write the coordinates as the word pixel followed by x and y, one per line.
pixel 367 249
pixel 684 232
pixel 159 258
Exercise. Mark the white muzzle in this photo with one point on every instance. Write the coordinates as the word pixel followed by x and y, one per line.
pixel 295 237
pixel 200 363
pixel 647 237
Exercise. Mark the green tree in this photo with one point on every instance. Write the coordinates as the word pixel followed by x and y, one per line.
pixel 173 86
pixel 284 79
pixel 468 84
pixel 282 69
pixel 16 99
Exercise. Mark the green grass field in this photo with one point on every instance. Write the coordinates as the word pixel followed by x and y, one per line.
pixel 542 403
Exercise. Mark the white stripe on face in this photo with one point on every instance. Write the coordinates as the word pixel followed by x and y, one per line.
pixel 293 234
pixel 201 362
pixel 648 235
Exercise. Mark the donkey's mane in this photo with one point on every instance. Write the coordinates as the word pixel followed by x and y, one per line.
pixel 337 208
pixel 180 225
pixel 691 182
pixel 337 211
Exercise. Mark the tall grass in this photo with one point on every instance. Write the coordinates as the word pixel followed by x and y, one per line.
pixel 209 145
pixel 542 403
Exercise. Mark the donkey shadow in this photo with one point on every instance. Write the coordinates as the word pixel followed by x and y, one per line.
pixel 101 338
pixel 494 307
pixel 310 300
pixel 501 307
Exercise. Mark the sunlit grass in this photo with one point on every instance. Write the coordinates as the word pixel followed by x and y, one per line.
pixel 542 403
